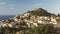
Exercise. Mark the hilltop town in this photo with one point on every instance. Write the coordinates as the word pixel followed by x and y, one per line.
pixel 32 18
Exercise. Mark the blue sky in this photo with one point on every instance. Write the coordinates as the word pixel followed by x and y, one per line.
pixel 14 7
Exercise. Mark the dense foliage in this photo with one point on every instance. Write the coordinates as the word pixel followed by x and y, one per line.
pixel 43 29
pixel 40 12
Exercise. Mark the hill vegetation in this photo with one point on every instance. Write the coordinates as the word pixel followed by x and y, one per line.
pixel 40 12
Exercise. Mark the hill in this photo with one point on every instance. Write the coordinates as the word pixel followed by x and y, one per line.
pixel 40 12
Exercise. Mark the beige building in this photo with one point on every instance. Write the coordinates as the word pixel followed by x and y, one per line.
pixel 53 19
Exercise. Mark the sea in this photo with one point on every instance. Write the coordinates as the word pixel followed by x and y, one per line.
pixel 5 17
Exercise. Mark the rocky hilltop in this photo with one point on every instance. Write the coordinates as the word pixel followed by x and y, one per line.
pixel 40 12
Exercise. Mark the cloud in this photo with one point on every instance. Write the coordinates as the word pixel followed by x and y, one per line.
pixel 37 5
pixel 2 3
pixel 11 5
pixel 12 8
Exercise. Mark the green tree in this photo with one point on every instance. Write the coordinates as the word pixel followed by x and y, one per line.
pixel 1 30
pixel 18 16
pixel 43 29
pixel 58 14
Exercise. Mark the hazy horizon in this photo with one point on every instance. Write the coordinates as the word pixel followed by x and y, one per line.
pixel 14 7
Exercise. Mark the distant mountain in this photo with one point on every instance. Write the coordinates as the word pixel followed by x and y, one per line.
pixel 40 12
pixel 5 17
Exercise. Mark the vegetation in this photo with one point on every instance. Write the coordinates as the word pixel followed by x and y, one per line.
pixel 59 15
pixel 40 12
pixel 1 30
pixel 43 29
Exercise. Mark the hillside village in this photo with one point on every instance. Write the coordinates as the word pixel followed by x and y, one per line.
pixel 31 19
